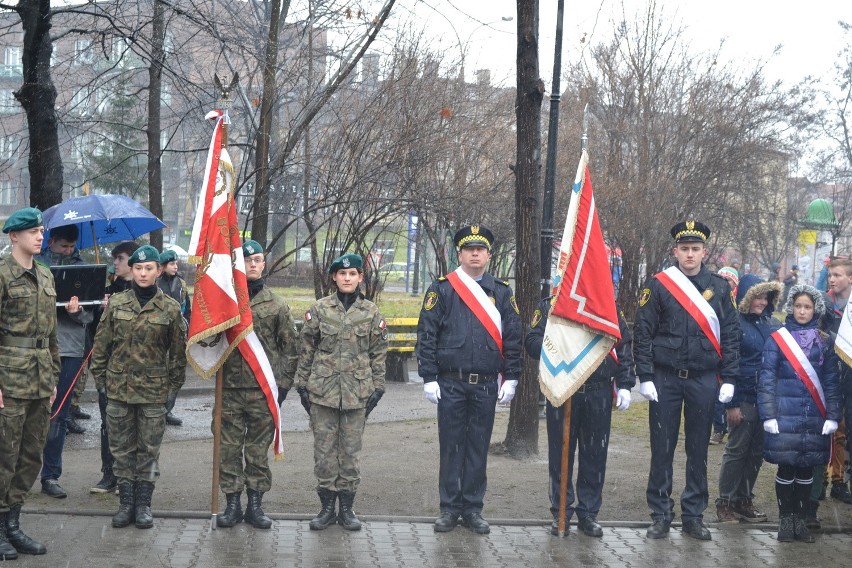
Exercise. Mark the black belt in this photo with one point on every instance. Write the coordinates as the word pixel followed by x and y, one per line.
pixel 593 386
pixel 472 378
pixel 684 373
pixel 25 342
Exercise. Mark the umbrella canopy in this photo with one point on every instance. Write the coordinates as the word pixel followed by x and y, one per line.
pixel 102 219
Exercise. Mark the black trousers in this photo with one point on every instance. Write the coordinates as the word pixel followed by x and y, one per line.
pixel 694 397
pixel 465 421
pixel 591 412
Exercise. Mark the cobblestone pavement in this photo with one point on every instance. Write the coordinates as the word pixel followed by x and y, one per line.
pixel 91 542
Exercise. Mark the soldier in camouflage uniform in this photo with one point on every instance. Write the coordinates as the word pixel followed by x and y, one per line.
pixel 139 358
pixel 173 285
pixel 341 378
pixel 247 426
pixel 29 369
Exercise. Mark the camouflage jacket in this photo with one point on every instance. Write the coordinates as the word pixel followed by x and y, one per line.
pixel 343 353
pixel 140 353
pixel 274 327
pixel 27 314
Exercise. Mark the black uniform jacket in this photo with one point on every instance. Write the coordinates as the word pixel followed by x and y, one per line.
pixel 622 371
pixel 666 335
pixel 450 338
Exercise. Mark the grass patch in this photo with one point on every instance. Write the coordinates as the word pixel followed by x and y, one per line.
pixel 633 422
pixel 391 304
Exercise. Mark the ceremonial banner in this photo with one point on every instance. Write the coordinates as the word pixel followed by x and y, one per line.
pixel 583 323
pixel 221 316
pixel 843 342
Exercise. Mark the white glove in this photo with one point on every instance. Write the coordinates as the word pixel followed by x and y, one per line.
pixel 830 427
pixel 507 392
pixel 622 401
pixel 432 391
pixel 649 391
pixel 771 426
pixel 726 392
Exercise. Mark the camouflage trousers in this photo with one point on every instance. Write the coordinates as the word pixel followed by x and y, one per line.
pixel 23 431
pixel 247 433
pixel 337 443
pixel 135 434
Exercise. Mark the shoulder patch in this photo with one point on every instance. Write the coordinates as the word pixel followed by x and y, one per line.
pixel 514 304
pixel 536 318
pixel 503 282
pixel 707 294
pixel 430 301
pixel 307 316
pixel 644 296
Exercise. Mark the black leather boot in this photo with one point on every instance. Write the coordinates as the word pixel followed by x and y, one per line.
pixel 125 505
pixel 233 511
pixel 144 518
pixel 254 511
pixel 17 538
pixel 326 517
pixel 346 516
pixel 7 551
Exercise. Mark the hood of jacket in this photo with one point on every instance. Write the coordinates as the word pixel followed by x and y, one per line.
pixel 752 286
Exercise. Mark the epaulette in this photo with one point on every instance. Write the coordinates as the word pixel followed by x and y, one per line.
pixel 503 282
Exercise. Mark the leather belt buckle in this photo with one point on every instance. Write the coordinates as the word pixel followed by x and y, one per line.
pixel 473 378
pixel 683 373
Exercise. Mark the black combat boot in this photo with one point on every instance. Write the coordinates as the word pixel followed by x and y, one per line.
pixel 254 511
pixel 17 538
pixel 326 517
pixel 233 511
pixel 144 518
pixel 346 516
pixel 7 551
pixel 125 505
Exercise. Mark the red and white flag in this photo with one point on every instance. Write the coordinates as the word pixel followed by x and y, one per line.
pixel 583 324
pixel 221 315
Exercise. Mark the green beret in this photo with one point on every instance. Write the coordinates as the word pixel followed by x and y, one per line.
pixel 145 253
pixel 22 219
pixel 348 260
pixel 251 247
pixel 167 256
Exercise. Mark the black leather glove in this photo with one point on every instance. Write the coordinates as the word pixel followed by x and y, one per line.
pixel 374 399
pixel 170 400
pixel 306 399
pixel 282 395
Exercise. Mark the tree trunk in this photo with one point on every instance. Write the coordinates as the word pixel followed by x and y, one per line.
pixel 38 98
pixel 522 434
pixel 155 83
pixel 260 222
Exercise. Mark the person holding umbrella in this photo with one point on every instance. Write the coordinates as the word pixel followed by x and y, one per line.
pixel 139 359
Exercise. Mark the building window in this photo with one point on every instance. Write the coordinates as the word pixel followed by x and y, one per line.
pixel 9 147
pixel 8 104
pixel 7 193
pixel 83 51
pixel 11 66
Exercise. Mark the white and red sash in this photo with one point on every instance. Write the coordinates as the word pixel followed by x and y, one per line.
pixel 475 298
pixel 800 363
pixel 694 303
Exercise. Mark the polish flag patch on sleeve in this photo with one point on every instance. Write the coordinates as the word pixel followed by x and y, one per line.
pixel 307 316
pixel 382 324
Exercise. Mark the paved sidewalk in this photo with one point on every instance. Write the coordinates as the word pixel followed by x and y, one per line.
pixel 91 542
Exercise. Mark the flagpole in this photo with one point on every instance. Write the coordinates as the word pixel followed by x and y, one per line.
pixel 563 476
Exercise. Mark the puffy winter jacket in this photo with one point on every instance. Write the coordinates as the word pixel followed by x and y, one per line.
pixel 783 396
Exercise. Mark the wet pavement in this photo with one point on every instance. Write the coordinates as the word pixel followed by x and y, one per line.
pixel 90 541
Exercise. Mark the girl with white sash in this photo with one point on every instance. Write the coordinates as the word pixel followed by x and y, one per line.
pixel 798 397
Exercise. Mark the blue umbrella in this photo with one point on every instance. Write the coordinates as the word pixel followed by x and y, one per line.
pixel 102 219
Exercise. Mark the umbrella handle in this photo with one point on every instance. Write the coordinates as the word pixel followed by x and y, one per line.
pixel 95 243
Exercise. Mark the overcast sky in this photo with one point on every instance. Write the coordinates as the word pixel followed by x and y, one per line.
pixel 807 31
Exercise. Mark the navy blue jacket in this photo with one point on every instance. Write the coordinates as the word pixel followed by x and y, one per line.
pixel 783 396
pixel 754 331
pixel 451 339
